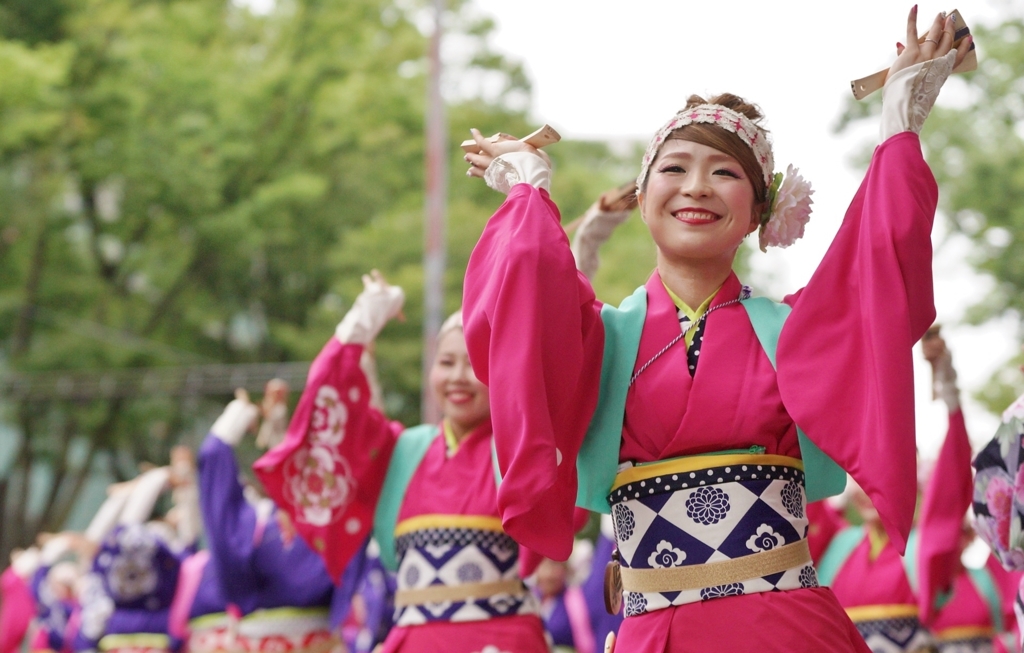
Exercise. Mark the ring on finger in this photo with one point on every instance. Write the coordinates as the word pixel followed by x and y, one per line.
pixel 931 41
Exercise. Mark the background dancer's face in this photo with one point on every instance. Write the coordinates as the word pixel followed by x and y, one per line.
pixel 463 398
pixel 698 202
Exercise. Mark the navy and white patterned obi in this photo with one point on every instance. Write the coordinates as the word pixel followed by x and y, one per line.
pixel 894 634
pixel 978 644
pixel 700 509
pixel 451 550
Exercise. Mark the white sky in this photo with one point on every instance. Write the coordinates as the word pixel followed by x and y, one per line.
pixel 604 69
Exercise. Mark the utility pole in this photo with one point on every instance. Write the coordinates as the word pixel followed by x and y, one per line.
pixel 434 231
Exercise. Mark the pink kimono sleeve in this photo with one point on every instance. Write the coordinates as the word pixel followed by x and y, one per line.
pixel 845 370
pixel 946 500
pixel 535 337
pixel 17 608
pixel 328 473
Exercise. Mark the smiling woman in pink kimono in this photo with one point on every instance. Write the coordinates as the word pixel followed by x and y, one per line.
pixel 428 494
pixel 671 407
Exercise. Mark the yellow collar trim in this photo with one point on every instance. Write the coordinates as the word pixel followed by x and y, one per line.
pixel 426 522
pixel 694 315
pixel 135 640
pixel 450 441
pixel 964 632
pixel 878 612
pixel 878 539
pixel 686 464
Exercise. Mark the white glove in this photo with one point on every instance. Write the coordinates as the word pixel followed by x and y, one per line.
pixel 596 228
pixel 378 303
pixel 910 94
pixel 54 548
pixel 237 418
pixel 106 517
pixel 513 168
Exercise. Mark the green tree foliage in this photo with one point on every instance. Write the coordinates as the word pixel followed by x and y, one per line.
pixel 185 182
pixel 976 151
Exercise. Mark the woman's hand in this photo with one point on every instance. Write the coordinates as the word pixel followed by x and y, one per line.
pixel 489 151
pixel 373 308
pixel 937 43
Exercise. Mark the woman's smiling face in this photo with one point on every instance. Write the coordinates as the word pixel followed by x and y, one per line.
pixel 463 398
pixel 698 203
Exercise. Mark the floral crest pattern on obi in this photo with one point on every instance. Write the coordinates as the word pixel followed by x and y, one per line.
pixel 442 552
pixel 999 493
pixel 691 513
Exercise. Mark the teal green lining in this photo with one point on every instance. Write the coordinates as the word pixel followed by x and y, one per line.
pixel 823 477
pixel 598 459
pixel 837 553
pixel 986 586
pixel 412 445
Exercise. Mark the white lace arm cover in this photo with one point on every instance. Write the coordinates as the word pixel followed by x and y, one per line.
pixel 371 310
pixel 54 548
pixel 514 168
pixel 596 228
pixel 145 492
pixel 910 94
pixel 106 516
pixel 26 562
pixel 236 419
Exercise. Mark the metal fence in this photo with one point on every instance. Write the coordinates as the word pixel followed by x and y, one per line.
pixel 195 381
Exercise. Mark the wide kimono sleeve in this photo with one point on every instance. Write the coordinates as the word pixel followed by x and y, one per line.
pixel 534 335
pixel 845 367
pixel 946 500
pixel 329 470
pixel 229 520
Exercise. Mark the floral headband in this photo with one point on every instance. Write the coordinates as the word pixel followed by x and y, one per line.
pixel 789 202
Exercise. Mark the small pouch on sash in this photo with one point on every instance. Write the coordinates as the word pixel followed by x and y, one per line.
pixel 613 585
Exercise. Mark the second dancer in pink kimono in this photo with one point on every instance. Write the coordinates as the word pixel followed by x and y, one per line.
pixel 428 494
pixel 670 409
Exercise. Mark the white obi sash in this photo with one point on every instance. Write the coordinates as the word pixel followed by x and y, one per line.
pixel 698 528
pixel 457 568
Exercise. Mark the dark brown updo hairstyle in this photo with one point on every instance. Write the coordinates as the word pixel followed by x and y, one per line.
pixel 726 141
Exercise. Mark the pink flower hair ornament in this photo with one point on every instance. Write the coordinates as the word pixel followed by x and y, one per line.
pixel 789 195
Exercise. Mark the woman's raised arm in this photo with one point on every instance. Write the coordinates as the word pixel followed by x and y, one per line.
pixel 534 335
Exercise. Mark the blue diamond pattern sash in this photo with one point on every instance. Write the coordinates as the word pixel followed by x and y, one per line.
pixel 695 510
pixel 891 628
pixel 442 555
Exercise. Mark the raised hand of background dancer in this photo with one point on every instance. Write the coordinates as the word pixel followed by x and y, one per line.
pixel 378 303
pixel 489 151
pixel 238 417
pixel 943 374
pixel 938 43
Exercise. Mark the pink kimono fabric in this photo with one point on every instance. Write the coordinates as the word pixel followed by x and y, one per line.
pixel 352 446
pixel 463 484
pixel 535 336
pixel 946 500
pixel 328 472
pixel 17 607
pixel 966 607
